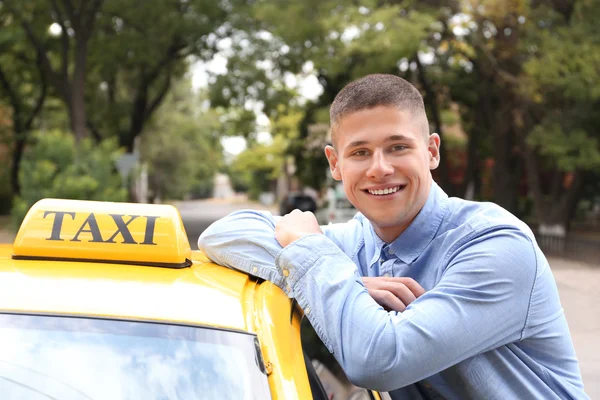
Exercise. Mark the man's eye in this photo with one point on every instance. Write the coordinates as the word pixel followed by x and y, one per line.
pixel 360 153
pixel 399 147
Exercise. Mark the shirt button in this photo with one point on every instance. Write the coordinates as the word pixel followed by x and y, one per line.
pixel 286 273
pixel 307 310
pixel 288 287
pixel 254 270
pixel 390 250
pixel 387 275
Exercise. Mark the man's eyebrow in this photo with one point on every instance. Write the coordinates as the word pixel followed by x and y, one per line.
pixel 391 138
pixel 395 138
pixel 357 143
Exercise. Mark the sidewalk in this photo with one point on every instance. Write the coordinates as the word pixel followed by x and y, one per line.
pixel 580 297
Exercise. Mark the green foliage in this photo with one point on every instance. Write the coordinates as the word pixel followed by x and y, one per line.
pixel 260 165
pixel 569 149
pixel 241 181
pixel 563 79
pixel 53 167
pixel 565 60
pixel 138 53
pixel 182 146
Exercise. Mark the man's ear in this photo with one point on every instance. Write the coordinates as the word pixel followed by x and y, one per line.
pixel 434 150
pixel 332 158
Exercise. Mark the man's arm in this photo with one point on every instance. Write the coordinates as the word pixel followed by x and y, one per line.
pixel 244 240
pixel 480 303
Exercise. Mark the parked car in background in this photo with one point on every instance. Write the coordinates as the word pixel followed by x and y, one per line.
pixel 107 301
pixel 297 200
pixel 337 208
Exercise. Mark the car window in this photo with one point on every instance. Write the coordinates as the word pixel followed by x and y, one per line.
pixel 44 357
pixel 331 376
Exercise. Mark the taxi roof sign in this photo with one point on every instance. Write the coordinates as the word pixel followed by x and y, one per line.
pixel 81 230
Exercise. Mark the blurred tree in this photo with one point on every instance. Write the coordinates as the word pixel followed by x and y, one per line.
pixel 138 52
pixel 106 55
pixel 22 87
pixel 262 165
pixel 6 193
pixel 182 146
pixel 64 64
pixel 563 88
pixel 52 167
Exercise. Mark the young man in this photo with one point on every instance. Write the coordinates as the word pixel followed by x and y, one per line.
pixel 484 320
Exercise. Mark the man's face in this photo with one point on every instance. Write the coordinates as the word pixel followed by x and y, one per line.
pixel 384 159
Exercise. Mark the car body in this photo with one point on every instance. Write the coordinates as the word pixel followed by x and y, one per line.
pixel 106 300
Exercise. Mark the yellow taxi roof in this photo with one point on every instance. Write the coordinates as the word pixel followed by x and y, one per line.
pixel 204 293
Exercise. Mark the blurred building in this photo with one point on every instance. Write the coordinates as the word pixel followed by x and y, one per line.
pixel 222 189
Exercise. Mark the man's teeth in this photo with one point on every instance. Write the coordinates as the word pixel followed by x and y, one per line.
pixel 384 191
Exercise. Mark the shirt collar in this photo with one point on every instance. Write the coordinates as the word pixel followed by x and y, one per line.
pixel 413 241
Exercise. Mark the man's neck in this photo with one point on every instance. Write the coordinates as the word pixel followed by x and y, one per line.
pixel 390 233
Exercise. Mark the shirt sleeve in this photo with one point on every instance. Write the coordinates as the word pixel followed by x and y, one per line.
pixel 245 240
pixel 480 303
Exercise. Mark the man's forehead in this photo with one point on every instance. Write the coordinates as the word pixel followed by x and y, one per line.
pixel 359 123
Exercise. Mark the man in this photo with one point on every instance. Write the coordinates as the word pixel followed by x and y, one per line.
pixel 484 320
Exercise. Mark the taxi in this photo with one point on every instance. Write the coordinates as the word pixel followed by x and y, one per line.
pixel 103 300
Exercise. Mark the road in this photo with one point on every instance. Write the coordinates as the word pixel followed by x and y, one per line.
pixel 578 285
pixel 198 215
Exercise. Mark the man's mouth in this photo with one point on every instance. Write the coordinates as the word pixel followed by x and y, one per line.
pixel 385 191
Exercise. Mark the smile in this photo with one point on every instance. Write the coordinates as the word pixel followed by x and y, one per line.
pixel 381 192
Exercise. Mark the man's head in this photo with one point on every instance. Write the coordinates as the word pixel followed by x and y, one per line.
pixel 378 90
pixel 382 150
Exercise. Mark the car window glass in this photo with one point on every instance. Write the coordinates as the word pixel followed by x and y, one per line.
pixel 334 381
pixel 82 358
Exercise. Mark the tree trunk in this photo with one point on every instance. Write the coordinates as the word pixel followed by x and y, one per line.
pixel 553 210
pixel 471 187
pixel 77 101
pixel 503 174
pixel 431 99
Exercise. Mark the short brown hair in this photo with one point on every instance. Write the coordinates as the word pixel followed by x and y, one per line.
pixel 378 90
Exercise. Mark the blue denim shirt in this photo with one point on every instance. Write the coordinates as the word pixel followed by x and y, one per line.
pixel 490 325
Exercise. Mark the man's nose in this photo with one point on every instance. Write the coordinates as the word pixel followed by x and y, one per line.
pixel 380 166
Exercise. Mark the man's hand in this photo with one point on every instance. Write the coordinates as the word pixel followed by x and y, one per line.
pixel 393 293
pixel 294 225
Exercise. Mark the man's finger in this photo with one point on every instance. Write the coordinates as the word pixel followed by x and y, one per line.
pixel 413 285
pixel 387 300
pixel 399 290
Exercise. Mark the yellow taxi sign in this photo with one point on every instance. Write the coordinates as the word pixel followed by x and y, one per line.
pixel 81 230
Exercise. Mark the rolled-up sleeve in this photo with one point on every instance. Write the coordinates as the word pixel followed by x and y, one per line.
pixel 244 240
